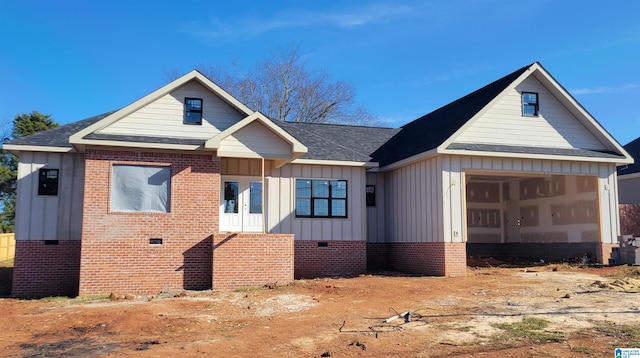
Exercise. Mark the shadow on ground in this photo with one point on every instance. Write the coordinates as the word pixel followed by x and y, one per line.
pixel 6 274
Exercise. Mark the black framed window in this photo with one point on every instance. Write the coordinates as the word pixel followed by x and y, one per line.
pixel 371 195
pixel 48 182
pixel 530 104
pixel 193 110
pixel 321 198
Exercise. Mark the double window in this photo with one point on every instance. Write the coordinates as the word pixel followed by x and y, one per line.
pixel 530 104
pixel 320 198
pixel 193 110
pixel 140 188
pixel 48 182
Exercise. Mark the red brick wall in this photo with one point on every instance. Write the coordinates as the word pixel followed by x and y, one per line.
pixel 422 258
pixel 242 260
pixel 116 254
pixel 46 270
pixel 337 258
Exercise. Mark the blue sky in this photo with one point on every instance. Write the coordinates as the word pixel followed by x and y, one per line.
pixel 76 59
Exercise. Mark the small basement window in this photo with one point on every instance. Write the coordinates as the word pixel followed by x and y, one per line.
pixel 48 182
pixel 193 111
pixel 530 104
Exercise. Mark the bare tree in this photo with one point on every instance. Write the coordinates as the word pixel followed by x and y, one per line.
pixel 282 87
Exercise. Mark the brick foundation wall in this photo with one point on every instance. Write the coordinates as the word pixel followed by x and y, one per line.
pixel 242 259
pixel 421 258
pixel 312 259
pixel 46 270
pixel 116 252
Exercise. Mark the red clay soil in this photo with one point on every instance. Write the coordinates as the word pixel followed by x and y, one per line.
pixel 343 317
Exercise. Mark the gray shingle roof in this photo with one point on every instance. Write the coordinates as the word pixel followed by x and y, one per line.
pixel 338 142
pixel 57 137
pixel 431 130
pixel 633 148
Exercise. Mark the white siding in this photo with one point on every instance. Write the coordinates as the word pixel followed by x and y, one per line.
pixel 415 208
pixel 425 201
pixel 165 116
pixel 255 138
pixel 281 207
pixel 504 123
pixel 50 217
pixel 629 189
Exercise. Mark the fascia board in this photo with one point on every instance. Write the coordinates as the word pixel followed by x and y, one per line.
pixel 416 158
pixel 297 147
pixel 147 145
pixel 617 161
pixel 345 163
pixel 577 109
pixel 484 109
pixel 33 148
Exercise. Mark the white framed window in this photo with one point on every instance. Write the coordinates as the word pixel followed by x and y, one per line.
pixel 530 104
pixel 140 188
pixel 321 198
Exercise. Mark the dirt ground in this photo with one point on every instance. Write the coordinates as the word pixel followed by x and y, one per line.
pixel 587 313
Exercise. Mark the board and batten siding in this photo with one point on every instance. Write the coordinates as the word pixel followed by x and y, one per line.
pixel 281 217
pixel 255 140
pixel 376 216
pixel 166 115
pixel 554 127
pixel 50 217
pixel 629 188
pixel 426 200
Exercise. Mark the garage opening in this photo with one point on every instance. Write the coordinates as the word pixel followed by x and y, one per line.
pixel 531 218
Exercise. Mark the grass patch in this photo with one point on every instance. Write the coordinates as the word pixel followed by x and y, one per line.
pixel 54 299
pixel 529 329
pixel 584 350
pixel 629 334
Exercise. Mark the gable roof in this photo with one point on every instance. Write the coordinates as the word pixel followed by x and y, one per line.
pixel 633 148
pixel 431 130
pixel 428 135
pixel 88 134
pixel 435 133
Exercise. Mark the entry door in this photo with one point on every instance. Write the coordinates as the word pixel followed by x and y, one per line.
pixel 513 221
pixel 241 205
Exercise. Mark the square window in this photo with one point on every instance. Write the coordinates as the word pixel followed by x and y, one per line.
pixel 48 182
pixel 321 198
pixel 530 104
pixel 140 188
pixel 193 110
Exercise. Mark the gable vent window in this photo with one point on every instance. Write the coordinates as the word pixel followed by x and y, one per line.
pixel 193 111
pixel 48 182
pixel 529 104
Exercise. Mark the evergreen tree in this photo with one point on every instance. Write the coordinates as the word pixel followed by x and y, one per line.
pixel 23 125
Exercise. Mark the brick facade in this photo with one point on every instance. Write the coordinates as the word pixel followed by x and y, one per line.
pixel 314 259
pixel 50 269
pixel 116 250
pixel 242 259
pixel 421 258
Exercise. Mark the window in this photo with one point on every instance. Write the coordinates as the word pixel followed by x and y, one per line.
pixel 193 110
pixel 319 198
pixel 48 182
pixel 529 104
pixel 140 188
pixel 371 195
